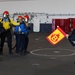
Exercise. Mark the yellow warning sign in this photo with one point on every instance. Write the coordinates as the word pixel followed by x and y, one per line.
pixel 56 36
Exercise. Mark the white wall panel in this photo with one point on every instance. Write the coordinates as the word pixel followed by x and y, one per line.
pixel 36 27
pixel 46 6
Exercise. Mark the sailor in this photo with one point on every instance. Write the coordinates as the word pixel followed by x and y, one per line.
pixel 7 23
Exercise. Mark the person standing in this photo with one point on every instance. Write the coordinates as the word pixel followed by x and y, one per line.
pixel 7 23
pixel 26 20
pixel 21 33
pixel 17 32
pixel 71 37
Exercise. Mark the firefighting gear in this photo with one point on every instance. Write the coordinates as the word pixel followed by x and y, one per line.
pixel 19 19
pixel 21 29
pixel 21 33
pixel 4 15
pixel 17 42
pixel 24 44
pixel 21 43
pixel 9 41
pixel 26 17
pixel 6 24
pixel 6 12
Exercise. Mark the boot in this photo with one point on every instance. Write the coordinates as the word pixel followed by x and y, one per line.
pixel 10 52
pixel 1 51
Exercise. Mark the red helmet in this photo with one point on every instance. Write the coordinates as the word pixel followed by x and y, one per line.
pixel 6 13
pixel 20 17
pixel 26 16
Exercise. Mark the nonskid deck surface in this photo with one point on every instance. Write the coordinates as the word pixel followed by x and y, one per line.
pixel 44 58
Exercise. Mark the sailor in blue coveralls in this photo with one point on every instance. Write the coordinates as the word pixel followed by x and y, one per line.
pixel 22 39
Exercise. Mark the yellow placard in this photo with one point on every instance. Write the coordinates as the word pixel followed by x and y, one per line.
pixel 56 36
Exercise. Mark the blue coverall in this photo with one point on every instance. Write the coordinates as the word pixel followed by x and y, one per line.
pixel 22 39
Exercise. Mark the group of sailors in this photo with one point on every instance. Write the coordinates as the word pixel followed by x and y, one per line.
pixel 21 31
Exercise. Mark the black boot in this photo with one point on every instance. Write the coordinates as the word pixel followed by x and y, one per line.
pixel 26 52
pixel 10 52
pixel 1 51
pixel 17 51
